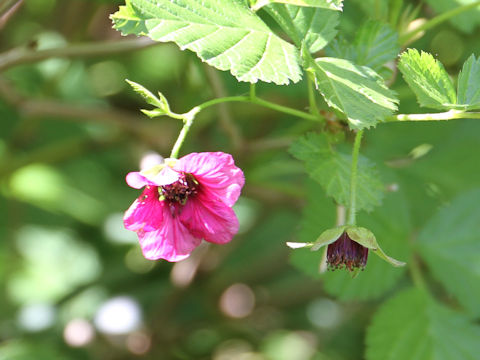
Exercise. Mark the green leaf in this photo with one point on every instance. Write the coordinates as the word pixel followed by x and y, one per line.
pixel 375 44
pixel 226 35
pixel 391 225
pixel 331 169
pixel 428 80
pixel 314 26
pixel 326 4
pixel 413 326
pixel 469 84
pixel 450 244
pixel 357 91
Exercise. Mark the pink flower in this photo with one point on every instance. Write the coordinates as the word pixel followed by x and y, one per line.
pixel 185 201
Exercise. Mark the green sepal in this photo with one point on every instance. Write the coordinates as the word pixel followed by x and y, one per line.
pixel 153 113
pixel 367 239
pixel 327 237
pixel 160 102
pixel 363 237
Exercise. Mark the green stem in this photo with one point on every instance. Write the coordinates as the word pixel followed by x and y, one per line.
pixel 353 179
pixel 187 123
pixel 253 92
pixel 448 115
pixel 261 102
pixel 311 96
pixel 437 20
pixel 416 274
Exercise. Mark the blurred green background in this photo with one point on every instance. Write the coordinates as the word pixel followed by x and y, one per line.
pixel 74 283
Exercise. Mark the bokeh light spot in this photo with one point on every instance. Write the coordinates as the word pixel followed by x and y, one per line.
pixel 119 315
pixel 78 333
pixel 237 301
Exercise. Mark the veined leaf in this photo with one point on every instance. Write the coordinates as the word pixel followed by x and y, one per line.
pixel 375 44
pixel 314 26
pixel 450 244
pixel 326 4
pixel 428 80
pixel 332 169
pixel 414 326
pixel 469 84
pixel 225 34
pixel 357 91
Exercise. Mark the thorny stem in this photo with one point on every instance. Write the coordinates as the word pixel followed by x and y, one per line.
pixel 437 20
pixel 353 178
pixel 448 115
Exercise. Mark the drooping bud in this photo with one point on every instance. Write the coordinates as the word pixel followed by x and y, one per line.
pixel 345 252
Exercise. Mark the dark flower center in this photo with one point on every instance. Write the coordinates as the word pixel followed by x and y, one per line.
pixel 346 253
pixel 180 190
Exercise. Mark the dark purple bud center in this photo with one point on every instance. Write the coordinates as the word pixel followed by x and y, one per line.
pixel 346 253
pixel 180 190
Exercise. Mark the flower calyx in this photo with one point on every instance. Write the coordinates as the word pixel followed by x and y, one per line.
pixel 348 247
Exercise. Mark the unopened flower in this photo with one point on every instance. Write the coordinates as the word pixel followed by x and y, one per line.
pixel 185 201
pixel 348 247
pixel 345 252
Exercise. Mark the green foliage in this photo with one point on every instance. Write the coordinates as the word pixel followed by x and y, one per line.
pixel 413 326
pixel 357 91
pixel 450 244
pixel 226 35
pixel 391 225
pixel 428 79
pixel 315 27
pixel 469 84
pixel 374 45
pixel 331 169
pixel 326 4
pixel 466 21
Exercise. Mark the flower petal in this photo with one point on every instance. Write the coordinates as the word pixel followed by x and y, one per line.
pixel 136 180
pixel 216 172
pixel 172 241
pixel 146 213
pixel 166 176
pixel 209 219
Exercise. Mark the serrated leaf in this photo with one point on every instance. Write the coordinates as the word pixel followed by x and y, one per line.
pixel 469 84
pixel 331 169
pixel 375 44
pixel 428 80
pixel 357 91
pixel 450 245
pixel 226 35
pixel 413 326
pixel 326 4
pixel 314 26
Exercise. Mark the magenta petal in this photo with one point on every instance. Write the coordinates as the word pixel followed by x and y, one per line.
pixel 172 241
pixel 146 213
pixel 137 180
pixel 209 219
pixel 216 172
